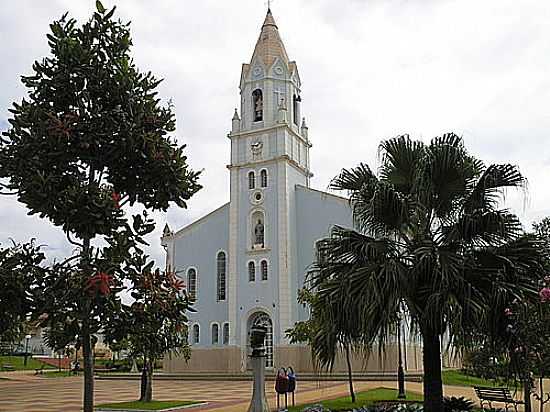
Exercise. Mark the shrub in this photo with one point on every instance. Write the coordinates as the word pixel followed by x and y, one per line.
pixel 454 404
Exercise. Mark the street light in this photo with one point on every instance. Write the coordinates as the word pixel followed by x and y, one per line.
pixel 27 339
pixel 400 370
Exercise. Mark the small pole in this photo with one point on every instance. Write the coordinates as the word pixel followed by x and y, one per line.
pixel 400 371
pixel 27 338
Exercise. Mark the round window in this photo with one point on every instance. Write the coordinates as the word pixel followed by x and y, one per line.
pixel 258 196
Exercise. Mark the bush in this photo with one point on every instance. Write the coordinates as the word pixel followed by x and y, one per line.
pixel 454 404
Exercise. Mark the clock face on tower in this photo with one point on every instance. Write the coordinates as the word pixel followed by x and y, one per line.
pixel 256 147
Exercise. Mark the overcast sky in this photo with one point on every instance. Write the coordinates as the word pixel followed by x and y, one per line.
pixel 371 69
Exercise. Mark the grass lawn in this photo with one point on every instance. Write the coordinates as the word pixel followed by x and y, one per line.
pixel 457 378
pixel 363 398
pixel 18 363
pixel 149 406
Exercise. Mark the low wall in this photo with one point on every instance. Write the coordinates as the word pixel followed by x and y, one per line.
pixel 231 359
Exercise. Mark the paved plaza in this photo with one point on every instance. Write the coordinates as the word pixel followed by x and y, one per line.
pixel 23 392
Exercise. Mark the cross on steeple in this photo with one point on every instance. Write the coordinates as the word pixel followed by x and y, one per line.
pixel 269 4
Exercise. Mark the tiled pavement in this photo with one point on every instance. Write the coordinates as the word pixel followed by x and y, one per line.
pixel 37 394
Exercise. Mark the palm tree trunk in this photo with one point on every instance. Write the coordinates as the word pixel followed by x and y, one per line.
pixel 88 368
pixel 433 386
pixel 350 374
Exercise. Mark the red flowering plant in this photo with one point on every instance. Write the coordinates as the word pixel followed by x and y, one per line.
pixel 155 322
pixel 525 340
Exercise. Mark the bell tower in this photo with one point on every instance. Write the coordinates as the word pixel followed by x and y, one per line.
pixel 269 157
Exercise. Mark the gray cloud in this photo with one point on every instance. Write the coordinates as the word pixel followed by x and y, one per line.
pixel 371 69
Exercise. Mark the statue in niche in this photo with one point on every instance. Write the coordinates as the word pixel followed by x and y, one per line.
pixel 258 105
pixel 259 233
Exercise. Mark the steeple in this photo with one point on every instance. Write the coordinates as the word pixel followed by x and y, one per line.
pixel 270 46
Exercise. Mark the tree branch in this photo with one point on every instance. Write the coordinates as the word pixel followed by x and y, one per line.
pixel 80 245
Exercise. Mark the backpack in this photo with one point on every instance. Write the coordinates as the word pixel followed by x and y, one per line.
pixel 281 381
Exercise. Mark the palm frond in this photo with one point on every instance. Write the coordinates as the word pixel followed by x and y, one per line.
pixel 400 157
pixel 353 179
pixel 488 189
pixel 483 227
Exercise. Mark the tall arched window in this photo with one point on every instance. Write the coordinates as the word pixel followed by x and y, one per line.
pixel 251 272
pixel 196 333
pixel 221 267
pixel 192 283
pixel 258 105
pixel 263 268
pixel 225 339
pixel 263 178
pixel 251 180
pixel 215 334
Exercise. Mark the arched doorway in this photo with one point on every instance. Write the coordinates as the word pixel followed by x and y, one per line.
pixel 262 318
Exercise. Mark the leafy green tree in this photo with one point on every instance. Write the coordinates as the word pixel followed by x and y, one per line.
pixel 430 235
pixel 90 138
pixel 155 323
pixel 335 334
pixel 517 337
pixel 21 271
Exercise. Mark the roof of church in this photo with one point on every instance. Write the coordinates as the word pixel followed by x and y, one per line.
pixel 270 46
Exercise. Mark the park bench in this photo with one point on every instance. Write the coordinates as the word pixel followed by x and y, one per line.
pixel 489 395
pixel 40 370
pixel 8 367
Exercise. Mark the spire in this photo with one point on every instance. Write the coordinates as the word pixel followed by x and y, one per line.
pixel 236 115
pixel 235 123
pixel 270 46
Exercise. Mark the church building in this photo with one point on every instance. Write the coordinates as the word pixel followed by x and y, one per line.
pixel 244 262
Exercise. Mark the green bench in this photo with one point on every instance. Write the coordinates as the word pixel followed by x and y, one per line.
pixel 489 395
pixel 8 367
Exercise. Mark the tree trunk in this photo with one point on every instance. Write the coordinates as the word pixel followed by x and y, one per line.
pixel 527 394
pixel 541 393
pixel 143 386
pixel 88 368
pixel 433 386
pixel 149 385
pixel 350 375
pixel 87 339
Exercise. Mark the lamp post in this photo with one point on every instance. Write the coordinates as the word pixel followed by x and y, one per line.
pixel 257 358
pixel 400 371
pixel 27 339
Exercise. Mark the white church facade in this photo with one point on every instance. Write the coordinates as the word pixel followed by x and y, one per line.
pixel 245 261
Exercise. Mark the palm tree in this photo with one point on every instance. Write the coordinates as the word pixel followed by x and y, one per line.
pixel 429 235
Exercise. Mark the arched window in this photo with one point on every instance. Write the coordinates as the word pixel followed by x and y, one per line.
pixel 263 178
pixel 196 333
pixel 251 272
pixel 192 283
pixel 225 339
pixel 251 180
pixel 263 267
pixel 258 105
pixel 296 109
pixel 221 266
pixel 215 334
